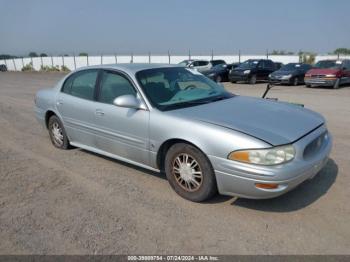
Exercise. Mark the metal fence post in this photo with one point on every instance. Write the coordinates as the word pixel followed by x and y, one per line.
pixel 22 62
pixel 42 64
pixel 31 60
pixel 51 61
pixel 116 58
pixel 149 57
pixel 132 58
pixel 267 53
pixel 87 60
pixel 101 60
pixel 62 61
pixel 169 56
pixel 14 64
pixel 212 54
pixel 239 56
pixel 75 63
pixel 189 54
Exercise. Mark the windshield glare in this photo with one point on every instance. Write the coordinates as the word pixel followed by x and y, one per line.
pixel 248 64
pixel 290 67
pixel 328 64
pixel 171 88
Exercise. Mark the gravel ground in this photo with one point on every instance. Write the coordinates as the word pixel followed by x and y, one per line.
pixel 76 202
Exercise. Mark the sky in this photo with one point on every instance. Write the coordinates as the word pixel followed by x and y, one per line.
pixel 156 26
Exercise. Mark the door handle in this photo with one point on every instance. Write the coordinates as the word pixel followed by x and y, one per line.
pixel 99 112
pixel 59 102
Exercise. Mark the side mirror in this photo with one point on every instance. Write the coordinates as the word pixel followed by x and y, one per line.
pixel 191 65
pixel 129 101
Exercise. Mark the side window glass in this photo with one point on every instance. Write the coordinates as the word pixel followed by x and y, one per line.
pixel 84 84
pixel 67 85
pixel 114 85
pixel 261 65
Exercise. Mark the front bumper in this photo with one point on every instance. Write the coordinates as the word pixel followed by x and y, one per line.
pixel 238 77
pixel 320 81
pixel 279 81
pixel 240 179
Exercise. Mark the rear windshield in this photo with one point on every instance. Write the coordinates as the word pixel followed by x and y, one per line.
pixel 328 64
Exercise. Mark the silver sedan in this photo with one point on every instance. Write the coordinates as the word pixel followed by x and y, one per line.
pixel 173 119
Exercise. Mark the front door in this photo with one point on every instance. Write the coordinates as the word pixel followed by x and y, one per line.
pixel 121 131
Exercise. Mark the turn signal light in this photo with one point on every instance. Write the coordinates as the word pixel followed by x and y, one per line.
pixel 266 186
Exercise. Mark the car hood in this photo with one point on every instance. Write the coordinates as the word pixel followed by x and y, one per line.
pixel 319 71
pixel 276 123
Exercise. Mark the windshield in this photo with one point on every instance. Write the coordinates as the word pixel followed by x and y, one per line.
pixel 328 64
pixel 290 67
pixel 184 63
pixel 249 64
pixel 217 62
pixel 176 87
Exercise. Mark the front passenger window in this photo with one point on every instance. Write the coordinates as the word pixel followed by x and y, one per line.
pixel 114 85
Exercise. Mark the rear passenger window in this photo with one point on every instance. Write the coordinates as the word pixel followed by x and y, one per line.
pixel 83 85
pixel 114 85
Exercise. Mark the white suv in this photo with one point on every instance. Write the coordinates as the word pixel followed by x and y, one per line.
pixel 199 65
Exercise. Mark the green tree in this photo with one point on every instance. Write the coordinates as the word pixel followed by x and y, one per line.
pixel 33 54
pixel 342 51
pixel 83 54
pixel 43 55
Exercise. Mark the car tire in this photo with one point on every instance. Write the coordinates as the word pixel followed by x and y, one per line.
pixel 252 80
pixel 218 79
pixel 336 84
pixel 307 85
pixel 57 133
pixel 233 82
pixel 190 173
pixel 295 81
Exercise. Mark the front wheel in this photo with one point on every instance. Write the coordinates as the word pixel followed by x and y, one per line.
pixel 190 173
pixel 295 81
pixel 336 84
pixel 252 80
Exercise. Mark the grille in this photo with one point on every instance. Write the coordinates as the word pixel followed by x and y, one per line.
pixel 315 145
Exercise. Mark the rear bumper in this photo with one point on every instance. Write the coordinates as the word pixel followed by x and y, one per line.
pixel 239 179
pixel 320 81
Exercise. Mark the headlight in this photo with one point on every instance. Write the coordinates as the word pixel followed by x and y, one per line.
pixel 246 72
pixel 269 156
pixel 211 75
pixel 331 75
pixel 270 75
pixel 286 76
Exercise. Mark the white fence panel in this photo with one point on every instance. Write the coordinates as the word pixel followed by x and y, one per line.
pixel 107 60
pixel 69 62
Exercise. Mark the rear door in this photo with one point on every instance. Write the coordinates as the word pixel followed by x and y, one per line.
pixel 121 131
pixel 76 105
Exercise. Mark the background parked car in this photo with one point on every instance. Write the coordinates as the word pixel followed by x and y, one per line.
pixel 3 68
pixel 200 65
pixel 217 62
pixel 252 70
pixel 219 73
pixel 292 74
pixel 329 73
pixel 278 65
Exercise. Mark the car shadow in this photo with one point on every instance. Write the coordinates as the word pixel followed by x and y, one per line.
pixel 300 197
pixel 141 169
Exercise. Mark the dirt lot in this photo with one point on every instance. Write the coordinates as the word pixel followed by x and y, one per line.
pixel 75 202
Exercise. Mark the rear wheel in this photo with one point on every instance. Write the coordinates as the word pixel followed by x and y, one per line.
pixel 252 80
pixel 190 173
pixel 57 133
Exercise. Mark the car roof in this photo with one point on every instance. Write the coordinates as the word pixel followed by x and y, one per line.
pixel 130 68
